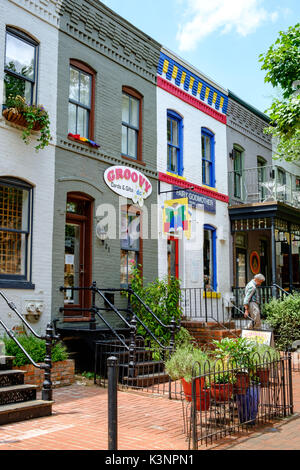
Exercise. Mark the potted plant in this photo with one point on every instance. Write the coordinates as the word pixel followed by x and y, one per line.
pixel 262 359
pixel 184 364
pixel 221 386
pixel 30 117
pixel 237 353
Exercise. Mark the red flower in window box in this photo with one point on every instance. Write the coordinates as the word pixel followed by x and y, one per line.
pixel 78 138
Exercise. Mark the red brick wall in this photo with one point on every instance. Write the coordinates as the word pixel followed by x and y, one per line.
pixel 62 374
pixel 204 333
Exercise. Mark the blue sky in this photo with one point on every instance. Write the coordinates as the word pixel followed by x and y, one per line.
pixel 221 38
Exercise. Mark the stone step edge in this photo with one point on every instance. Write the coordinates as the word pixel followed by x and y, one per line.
pixel 13 388
pixel 11 372
pixel 24 405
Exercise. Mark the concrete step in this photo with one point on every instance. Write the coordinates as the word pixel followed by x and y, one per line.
pixel 17 394
pixel 152 367
pixel 11 377
pixel 144 381
pixel 140 355
pixel 146 368
pixel 15 412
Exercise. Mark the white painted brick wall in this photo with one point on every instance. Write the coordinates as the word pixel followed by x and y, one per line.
pixel 193 120
pixel 39 19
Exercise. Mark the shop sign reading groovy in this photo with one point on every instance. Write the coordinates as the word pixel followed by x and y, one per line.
pixel 129 183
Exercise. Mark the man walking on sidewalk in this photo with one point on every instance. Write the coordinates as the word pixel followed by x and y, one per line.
pixel 252 301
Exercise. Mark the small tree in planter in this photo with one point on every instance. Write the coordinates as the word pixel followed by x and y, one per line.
pixel 237 353
pixel 30 117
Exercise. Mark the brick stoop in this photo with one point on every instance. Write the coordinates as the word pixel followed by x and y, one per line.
pixel 205 333
pixel 62 374
pixel 18 401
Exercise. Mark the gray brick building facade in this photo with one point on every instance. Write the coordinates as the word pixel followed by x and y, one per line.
pixel 119 57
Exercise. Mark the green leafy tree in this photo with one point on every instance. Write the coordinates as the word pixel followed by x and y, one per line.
pixel 282 64
pixel 284 317
pixel 163 298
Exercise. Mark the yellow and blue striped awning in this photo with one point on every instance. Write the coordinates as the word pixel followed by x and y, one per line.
pixel 191 83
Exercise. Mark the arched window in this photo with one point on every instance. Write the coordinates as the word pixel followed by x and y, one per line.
pixel 20 68
pixel 132 107
pixel 81 99
pixel 208 157
pixel 174 143
pixel 15 232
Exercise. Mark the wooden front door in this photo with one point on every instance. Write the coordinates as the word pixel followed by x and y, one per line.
pixel 78 255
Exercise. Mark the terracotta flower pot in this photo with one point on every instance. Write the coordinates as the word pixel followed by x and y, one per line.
pixel 202 394
pixel 221 392
pixel 263 376
pixel 242 383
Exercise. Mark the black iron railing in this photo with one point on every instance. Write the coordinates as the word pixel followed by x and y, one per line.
pixel 223 401
pixel 203 305
pixel 126 315
pixel 49 338
pixel 128 349
pixel 266 294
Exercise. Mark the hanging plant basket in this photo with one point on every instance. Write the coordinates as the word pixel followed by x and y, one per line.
pixel 16 117
pixel 30 118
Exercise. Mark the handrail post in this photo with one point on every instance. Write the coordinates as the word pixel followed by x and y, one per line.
pixel 132 347
pixel 290 381
pixel 205 303
pixel 93 308
pixel 47 392
pixel 173 332
pixel 112 374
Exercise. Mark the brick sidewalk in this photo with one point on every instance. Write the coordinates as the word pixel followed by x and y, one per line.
pixel 146 422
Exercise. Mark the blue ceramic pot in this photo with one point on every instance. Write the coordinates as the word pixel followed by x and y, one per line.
pixel 248 404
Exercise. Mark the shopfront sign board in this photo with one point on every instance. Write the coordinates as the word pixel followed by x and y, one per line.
pixel 260 336
pixel 195 199
pixel 129 183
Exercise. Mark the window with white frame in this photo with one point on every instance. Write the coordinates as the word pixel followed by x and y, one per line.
pixel 20 68
pixel 15 230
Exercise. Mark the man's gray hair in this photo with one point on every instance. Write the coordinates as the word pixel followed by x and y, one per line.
pixel 260 277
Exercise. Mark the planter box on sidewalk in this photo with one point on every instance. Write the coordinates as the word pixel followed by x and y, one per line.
pixel 62 374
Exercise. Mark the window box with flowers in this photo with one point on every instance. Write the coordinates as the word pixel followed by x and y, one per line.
pixel 30 117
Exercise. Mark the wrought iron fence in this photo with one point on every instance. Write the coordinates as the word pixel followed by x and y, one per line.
pixel 228 399
pixel 141 369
